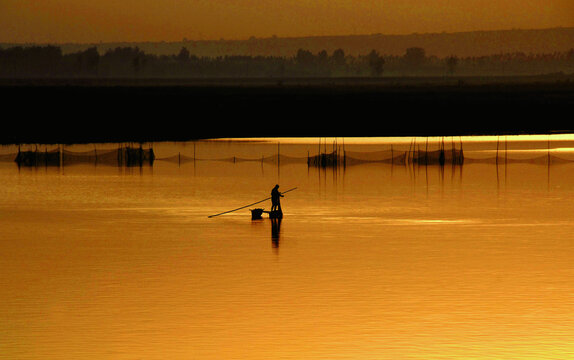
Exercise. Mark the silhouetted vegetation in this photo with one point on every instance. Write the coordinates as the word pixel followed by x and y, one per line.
pixel 131 62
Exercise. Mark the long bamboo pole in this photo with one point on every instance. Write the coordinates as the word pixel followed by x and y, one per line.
pixel 243 207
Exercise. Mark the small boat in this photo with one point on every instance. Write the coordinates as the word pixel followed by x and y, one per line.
pixel 258 214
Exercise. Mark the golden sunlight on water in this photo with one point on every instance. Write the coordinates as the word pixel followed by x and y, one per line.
pixel 372 259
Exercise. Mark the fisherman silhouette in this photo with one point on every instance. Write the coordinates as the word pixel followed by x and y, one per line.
pixel 275 197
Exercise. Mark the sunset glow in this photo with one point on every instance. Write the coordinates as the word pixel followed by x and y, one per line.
pixel 287 179
pixel 62 21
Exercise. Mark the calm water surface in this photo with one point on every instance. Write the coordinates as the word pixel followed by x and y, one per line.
pixel 371 261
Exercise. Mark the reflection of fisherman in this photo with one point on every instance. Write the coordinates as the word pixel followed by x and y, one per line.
pixel 275 232
pixel 275 197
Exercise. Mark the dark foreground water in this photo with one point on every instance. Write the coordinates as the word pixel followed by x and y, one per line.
pixel 371 261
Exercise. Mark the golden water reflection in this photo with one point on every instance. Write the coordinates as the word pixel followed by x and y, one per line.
pixel 372 261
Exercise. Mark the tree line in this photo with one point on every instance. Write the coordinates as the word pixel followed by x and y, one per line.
pixel 132 62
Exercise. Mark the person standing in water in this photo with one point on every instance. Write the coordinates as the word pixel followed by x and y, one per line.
pixel 275 199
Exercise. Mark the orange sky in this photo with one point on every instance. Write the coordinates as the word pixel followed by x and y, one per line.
pixel 60 21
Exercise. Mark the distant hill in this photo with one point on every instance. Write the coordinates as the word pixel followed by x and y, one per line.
pixel 462 44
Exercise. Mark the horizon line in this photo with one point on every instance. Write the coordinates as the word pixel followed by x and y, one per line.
pixel 275 37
